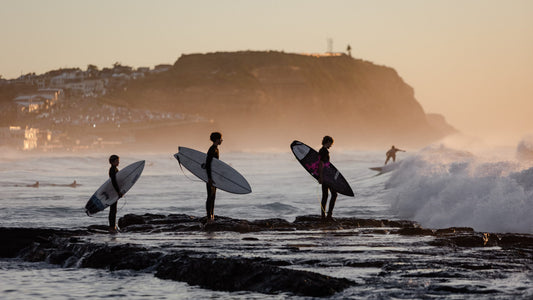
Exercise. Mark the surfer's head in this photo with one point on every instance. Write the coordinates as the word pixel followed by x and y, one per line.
pixel 327 139
pixel 113 158
pixel 215 136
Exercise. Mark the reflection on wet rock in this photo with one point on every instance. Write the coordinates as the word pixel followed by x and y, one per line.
pixel 307 257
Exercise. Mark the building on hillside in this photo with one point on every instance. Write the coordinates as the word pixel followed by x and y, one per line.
pixel 28 103
pixel 87 88
pixel 22 139
pixel 161 68
pixel 42 99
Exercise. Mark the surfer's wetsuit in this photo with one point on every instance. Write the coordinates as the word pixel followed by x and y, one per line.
pixel 113 208
pixel 392 154
pixel 211 190
pixel 323 156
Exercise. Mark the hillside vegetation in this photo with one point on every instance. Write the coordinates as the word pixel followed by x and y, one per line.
pixel 270 98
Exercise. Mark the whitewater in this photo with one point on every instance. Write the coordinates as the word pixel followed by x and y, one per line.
pixel 439 186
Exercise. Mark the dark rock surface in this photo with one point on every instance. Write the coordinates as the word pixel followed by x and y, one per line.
pixel 217 270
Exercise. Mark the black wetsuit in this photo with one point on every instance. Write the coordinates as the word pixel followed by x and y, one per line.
pixel 323 155
pixel 113 208
pixel 211 190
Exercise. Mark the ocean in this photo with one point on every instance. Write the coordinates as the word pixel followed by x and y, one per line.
pixel 437 186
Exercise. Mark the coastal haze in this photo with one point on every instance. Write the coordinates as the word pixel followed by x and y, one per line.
pixel 447 81
pixel 470 62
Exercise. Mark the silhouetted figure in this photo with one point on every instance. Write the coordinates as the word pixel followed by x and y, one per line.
pixel 323 160
pixel 392 154
pixel 35 185
pixel 216 138
pixel 349 50
pixel 114 160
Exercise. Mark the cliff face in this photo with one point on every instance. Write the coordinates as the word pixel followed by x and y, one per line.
pixel 271 98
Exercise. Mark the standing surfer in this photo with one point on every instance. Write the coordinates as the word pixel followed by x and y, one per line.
pixel 392 154
pixel 216 138
pixel 323 161
pixel 114 160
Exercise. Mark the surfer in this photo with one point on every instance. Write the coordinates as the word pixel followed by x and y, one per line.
pixel 216 138
pixel 114 160
pixel 392 154
pixel 323 160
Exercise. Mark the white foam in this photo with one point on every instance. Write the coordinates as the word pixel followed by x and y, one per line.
pixel 441 187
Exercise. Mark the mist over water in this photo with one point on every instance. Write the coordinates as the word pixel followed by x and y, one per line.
pixel 438 186
pixel 442 187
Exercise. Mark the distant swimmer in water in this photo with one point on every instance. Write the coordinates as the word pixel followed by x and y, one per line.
pixel 74 184
pixel 35 185
pixel 392 154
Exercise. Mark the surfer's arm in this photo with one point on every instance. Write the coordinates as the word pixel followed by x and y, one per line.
pixel 208 161
pixel 320 171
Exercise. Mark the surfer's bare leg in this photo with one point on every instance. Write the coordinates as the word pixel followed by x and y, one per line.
pixel 210 202
pixel 332 203
pixel 113 217
pixel 324 201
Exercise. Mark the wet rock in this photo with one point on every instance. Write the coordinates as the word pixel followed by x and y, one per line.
pixel 120 257
pixel 262 274
pixel 16 239
pixel 161 223
pixel 415 231
pixel 474 239
pixel 59 257
pixel 273 224
pixel 453 230
pixel 227 224
pixel 516 240
pixel 129 220
pixel 236 275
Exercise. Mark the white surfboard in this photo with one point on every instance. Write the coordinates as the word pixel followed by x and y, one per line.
pixel 106 194
pixel 387 168
pixel 224 177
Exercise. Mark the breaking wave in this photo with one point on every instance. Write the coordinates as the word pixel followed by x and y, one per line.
pixel 441 187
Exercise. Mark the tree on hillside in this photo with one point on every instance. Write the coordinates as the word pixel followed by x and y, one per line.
pixel 92 70
pixel 119 68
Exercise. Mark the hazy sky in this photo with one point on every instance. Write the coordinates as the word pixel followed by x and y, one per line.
pixel 470 60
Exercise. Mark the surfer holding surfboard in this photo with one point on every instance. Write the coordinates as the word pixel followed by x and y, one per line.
pixel 323 160
pixel 114 160
pixel 214 172
pixel 319 166
pixel 216 138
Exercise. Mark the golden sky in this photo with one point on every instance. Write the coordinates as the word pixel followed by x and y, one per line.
pixel 470 60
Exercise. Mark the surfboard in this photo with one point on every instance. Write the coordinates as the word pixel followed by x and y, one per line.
pixel 387 168
pixel 308 158
pixel 106 194
pixel 225 177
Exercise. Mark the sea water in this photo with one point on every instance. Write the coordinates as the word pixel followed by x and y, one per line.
pixel 437 186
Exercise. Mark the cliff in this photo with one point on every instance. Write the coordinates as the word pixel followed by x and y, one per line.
pixel 265 99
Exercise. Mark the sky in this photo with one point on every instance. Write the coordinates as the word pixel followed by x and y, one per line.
pixel 469 60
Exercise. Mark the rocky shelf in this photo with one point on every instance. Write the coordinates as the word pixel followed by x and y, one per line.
pixel 234 271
